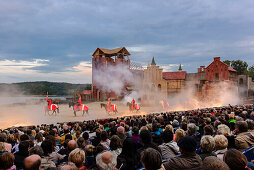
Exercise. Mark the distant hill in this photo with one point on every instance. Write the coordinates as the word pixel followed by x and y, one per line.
pixel 41 88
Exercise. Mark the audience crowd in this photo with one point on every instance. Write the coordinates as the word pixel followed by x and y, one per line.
pixel 211 138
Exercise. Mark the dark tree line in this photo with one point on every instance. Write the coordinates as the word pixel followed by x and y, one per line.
pixel 241 67
pixel 42 87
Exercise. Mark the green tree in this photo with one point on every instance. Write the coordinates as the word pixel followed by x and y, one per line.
pixel 240 66
pixel 251 72
pixel 228 62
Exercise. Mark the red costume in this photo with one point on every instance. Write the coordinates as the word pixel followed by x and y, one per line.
pixel 133 104
pixel 109 105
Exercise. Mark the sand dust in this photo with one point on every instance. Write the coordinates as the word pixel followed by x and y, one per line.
pixel 22 115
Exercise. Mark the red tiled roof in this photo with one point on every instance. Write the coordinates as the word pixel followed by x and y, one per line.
pixel 86 92
pixel 174 75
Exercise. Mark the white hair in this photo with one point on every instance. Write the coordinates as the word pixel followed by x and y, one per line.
pixel 102 165
pixel 223 130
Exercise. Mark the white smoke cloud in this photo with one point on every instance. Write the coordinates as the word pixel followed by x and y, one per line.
pixel 113 78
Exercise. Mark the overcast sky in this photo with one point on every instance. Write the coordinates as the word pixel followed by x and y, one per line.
pixel 53 40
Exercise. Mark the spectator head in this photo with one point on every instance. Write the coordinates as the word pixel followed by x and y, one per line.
pixel 129 147
pixel 24 137
pixel 104 136
pixel 250 124
pixel 208 130
pixel 175 123
pixel 2 147
pixel 135 131
pixel 47 147
pixel 85 135
pixel 81 142
pixel 169 127
pixel 151 159
pixel 167 136
pixel 207 144
pixel 3 137
pixel 214 163
pixel 24 146
pixel 32 162
pixel 242 126
pixel 187 144
pixel 120 130
pixel 143 128
pixel 52 132
pixel 68 166
pixel 66 143
pixel 89 150
pixel 146 137
pixel 191 129
pixel 37 150
pixel 66 130
pixel 72 144
pixel 179 134
pixel 235 159
pixel 115 142
pixel 221 142
pixel 6 160
pixel 98 132
pixel 223 130
pixel 106 160
pixel 77 156
pixel 39 137
pixel 68 136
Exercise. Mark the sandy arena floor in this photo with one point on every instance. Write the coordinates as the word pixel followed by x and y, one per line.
pixel 21 115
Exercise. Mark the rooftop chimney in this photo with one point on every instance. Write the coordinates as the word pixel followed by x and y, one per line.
pixel 216 58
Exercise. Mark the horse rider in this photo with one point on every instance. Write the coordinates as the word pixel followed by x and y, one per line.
pixel 133 104
pixel 78 103
pixel 109 104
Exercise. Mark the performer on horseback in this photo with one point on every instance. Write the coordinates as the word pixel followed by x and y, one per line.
pixel 133 104
pixel 79 103
pixel 109 104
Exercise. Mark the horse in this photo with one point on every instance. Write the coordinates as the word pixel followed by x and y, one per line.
pixel 77 108
pixel 51 107
pixel 165 105
pixel 112 108
pixel 136 107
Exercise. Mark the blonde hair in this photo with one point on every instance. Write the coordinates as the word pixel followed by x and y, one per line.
pixel 169 127
pixel 223 130
pixel 221 142
pixel 179 133
pixel 89 148
pixel 207 143
pixel 2 147
pixel 77 156
pixel 143 128
pixel 33 133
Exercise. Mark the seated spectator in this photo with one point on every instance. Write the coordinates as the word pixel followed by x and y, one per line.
pixel 179 134
pixel 208 130
pixel 2 148
pixel 21 154
pixel 225 130
pixel 129 159
pixel 72 144
pixel 36 150
pixel 192 131
pixel 77 156
pixel 86 138
pixel 81 143
pixel 38 139
pixel 207 146
pixel 146 139
pixel 151 159
pixel 135 134
pixel 104 140
pixel 96 140
pixel 3 138
pixel 213 163
pixel 68 166
pixel 120 133
pixel 244 139
pixel 106 161
pixel 168 148
pixel 115 144
pixel 188 158
pixel 235 160
pixel 221 144
pixel 90 158
pixel 49 153
pixel 250 123
pixel 32 162
pixel 7 161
